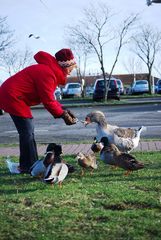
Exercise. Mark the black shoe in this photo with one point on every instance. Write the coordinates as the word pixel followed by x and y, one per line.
pixel 23 170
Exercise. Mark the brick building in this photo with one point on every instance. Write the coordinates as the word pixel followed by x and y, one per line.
pixel 127 79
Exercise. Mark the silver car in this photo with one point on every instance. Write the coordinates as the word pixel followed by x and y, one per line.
pixel 140 86
pixel 72 90
pixel 121 86
pixel 58 94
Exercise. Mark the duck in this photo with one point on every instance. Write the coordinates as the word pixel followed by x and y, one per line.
pixel 56 173
pixel 52 154
pixel 106 153
pixel 96 146
pixel 58 151
pixel 86 161
pixel 57 170
pixel 111 155
pixel 125 160
pixel 126 139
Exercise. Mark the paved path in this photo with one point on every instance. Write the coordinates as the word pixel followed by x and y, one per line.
pixel 69 149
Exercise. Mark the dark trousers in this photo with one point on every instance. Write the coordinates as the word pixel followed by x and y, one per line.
pixel 27 144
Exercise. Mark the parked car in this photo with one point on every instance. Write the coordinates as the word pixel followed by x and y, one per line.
pixel 99 89
pixel 58 93
pixel 1 112
pixel 139 87
pixel 89 91
pixel 158 86
pixel 121 86
pixel 72 90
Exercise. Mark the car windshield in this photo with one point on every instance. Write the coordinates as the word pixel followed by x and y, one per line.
pixel 74 86
pixel 119 83
pixel 159 83
pixel 141 82
pixel 101 83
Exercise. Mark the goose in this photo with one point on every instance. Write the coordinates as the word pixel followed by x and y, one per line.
pixel 126 139
pixel 86 161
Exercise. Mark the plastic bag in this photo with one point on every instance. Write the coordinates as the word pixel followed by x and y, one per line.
pixel 12 166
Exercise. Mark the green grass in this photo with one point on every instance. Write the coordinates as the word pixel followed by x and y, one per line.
pixel 105 205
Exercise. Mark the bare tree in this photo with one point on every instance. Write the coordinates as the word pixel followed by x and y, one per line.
pixel 94 31
pixel 81 54
pixel 157 68
pixel 147 44
pixel 14 61
pixel 6 35
pixel 133 65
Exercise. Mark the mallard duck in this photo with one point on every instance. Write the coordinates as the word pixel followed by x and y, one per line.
pixel 51 156
pixel 125 160
pixel 56 173
pixel 96 146
pixel 39 168
pixel 126 139
pixel 106 154
pixel 86 161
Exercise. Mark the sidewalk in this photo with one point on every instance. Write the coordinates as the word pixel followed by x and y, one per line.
pixel 69 149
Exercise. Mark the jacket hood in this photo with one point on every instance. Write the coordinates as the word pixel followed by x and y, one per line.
pixel 47 59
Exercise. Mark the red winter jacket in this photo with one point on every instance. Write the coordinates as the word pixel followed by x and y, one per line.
pixel 33 85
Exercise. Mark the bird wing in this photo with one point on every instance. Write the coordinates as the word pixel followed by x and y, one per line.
pixel 125 132
pixel 63 172
pixel 56 173
pixel 125 144
pixel 128 162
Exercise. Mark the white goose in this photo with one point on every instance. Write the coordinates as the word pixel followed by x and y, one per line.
pixel 126 139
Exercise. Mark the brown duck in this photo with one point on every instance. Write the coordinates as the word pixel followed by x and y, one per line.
pixel 86 161
pixel 125 160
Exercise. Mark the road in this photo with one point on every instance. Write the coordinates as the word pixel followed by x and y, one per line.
pixel 48 129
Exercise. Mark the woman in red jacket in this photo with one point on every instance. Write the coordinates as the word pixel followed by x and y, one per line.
pixel 31 86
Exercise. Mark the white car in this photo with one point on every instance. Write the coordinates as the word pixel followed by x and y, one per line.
pixel 140 86
pixel 58 94
pixel 121 86
pixel 72 90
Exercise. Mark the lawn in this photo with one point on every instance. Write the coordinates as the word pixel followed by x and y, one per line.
pixel 103 206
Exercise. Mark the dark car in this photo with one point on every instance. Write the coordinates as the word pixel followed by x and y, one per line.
pixel 99 89
pixel 158 86
pixel 1 112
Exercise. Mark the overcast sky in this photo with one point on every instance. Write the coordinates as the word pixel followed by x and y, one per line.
pixel 47 18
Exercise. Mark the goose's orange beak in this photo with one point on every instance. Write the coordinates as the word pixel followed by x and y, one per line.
pixel 87 121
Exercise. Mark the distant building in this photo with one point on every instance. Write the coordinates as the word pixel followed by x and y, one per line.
pixel 127 79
